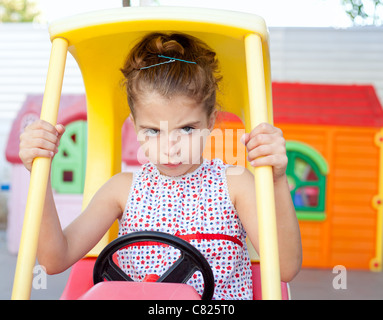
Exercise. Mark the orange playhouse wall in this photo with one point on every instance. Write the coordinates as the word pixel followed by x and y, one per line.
pixel 348 234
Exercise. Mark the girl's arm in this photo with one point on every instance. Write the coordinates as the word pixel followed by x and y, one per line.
pixel 58 249
pixel 266 146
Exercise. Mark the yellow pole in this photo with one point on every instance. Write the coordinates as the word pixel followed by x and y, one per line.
pixel 39 177
pixel 377 203
pixel 268 241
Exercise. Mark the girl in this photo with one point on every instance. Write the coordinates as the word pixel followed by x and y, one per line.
pixel 171 82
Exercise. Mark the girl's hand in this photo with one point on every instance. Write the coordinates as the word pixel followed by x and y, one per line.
pixel 266 147
pixel 39 139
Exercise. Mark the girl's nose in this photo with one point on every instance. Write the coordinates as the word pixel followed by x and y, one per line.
pixel 174 150
pixel 172 145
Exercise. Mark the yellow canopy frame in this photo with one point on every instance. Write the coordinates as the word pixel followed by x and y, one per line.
pixel 100 41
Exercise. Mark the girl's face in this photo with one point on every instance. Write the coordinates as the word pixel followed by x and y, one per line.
pixel 172 132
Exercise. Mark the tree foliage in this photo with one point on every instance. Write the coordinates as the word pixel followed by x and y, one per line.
pixel 17 11
pixel 364 12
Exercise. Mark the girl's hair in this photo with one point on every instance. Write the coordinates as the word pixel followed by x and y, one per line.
pixel 198 81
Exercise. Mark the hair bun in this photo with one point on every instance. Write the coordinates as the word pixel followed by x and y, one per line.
pixel 173 46
pixel 167 47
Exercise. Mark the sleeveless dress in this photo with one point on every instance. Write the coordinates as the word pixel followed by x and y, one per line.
pixel 197 208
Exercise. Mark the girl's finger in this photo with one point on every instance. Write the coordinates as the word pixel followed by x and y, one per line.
pixel 278 162
pixel 245 138
pixel 260 151
pixel 43 144
pixel 60 129
pixel 263 128
pixel 260 139
pixel 28 155
pixel 41 124
pixel 262 161
pixel 43 135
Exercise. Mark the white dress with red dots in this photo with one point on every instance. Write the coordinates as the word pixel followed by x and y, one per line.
pixel 197 208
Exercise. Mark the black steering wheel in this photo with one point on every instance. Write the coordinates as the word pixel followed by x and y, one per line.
pixel 189 262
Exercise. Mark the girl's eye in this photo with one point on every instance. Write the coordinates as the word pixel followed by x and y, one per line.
pixel 151 132
pixel 187 130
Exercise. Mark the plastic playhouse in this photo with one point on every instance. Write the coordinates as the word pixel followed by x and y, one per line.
pixel 334 137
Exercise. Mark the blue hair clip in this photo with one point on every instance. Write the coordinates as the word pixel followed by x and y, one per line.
pixel 169 61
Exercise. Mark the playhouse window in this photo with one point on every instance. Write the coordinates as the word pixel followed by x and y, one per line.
pixel 306 172
pixel 68 166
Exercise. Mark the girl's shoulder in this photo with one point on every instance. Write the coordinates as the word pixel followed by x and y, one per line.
pixel 240 181
pixel 122 179
pixel 119 185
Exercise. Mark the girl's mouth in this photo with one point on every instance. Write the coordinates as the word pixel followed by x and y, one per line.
pixel 172 165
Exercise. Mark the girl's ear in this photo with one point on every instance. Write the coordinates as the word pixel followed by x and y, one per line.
pixel 212 119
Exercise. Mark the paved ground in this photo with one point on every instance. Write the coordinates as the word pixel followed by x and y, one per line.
pixel 54 284
pixel 310 284
pixel 313 284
